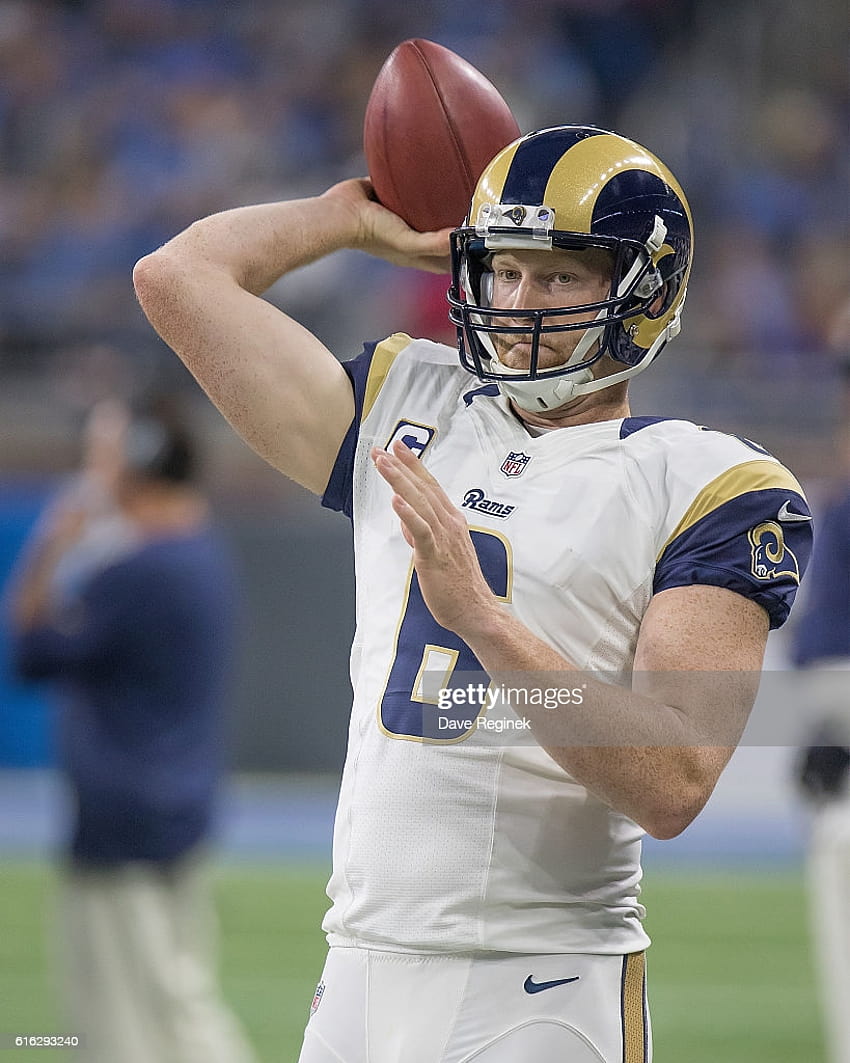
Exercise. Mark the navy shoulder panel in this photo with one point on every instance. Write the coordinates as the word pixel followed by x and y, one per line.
pixel 631 425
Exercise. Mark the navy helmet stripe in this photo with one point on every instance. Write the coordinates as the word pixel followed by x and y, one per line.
pixel 534 161
pixel 632 193
pixel 633 189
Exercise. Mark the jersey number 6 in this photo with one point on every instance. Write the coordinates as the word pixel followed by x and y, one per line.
pixel 432 691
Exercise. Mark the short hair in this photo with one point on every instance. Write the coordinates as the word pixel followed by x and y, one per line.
pixel 159 447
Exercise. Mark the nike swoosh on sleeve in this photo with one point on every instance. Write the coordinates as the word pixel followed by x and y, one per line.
pixel 787 515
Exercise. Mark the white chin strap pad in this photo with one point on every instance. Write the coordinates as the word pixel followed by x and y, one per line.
pixel 537 395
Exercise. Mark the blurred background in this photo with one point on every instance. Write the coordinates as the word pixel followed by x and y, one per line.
pixel 121 121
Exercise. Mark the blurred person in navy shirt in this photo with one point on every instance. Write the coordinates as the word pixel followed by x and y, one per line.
pixel 822 649
pixel 126 599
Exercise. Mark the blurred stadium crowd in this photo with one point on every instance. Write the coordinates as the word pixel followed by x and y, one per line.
pixel 123 120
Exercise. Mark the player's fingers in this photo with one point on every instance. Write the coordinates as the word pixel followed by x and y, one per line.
pixel 408 538
pixel 408 477
pixel 406 456
pixel 430 484
pixel 424 493
pixel 433 251
pixel 434 243
pixel 435 265
pixel 416 530
pixel 395 471
pixel 404 483
pixel 402 458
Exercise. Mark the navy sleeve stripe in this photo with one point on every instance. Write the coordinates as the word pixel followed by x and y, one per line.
pixel 367 373
pixel 743 546
pixel 338 493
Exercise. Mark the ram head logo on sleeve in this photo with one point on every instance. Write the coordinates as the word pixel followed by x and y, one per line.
pixel 771 558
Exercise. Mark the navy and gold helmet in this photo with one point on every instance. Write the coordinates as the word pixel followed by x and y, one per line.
pixel 574 187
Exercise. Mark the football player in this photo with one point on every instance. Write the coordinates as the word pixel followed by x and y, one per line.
pixel 562 608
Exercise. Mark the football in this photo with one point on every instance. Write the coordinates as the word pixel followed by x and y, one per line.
pixel 433 122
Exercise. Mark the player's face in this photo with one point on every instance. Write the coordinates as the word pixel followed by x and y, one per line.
pixel 533 280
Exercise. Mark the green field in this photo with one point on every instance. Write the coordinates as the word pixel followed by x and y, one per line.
pixel 730 975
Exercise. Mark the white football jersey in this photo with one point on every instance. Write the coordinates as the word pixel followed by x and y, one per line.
pixel 448 842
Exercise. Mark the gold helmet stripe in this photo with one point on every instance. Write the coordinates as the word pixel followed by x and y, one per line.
pixel 582 172
pixel 492 182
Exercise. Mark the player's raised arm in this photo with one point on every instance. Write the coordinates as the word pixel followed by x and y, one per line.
pixel 274 381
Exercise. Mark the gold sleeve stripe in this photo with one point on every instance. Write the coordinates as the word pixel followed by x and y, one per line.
pixel 633 1009
pixel 739 480
pixel 385 354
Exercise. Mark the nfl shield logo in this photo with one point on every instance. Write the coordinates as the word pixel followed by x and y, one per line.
pixel 515 463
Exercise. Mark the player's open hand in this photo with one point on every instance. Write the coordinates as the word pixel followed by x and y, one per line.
pixel 384 234
pixel 450 576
